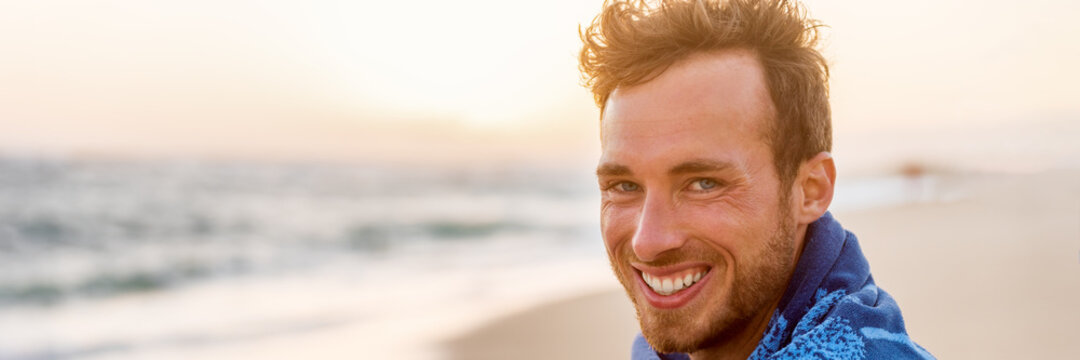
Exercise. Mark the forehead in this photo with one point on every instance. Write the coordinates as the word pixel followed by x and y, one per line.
pixel 709 104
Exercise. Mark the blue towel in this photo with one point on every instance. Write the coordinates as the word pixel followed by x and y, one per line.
pixel 831 309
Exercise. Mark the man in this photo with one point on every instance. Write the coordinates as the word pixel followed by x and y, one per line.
pixel 716 178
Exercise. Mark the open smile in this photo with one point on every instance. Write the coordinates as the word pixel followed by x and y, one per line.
pixel 671 288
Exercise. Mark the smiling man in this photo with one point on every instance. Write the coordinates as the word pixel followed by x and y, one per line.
pixel 716 179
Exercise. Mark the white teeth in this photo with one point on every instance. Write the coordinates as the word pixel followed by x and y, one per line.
pixel 669 286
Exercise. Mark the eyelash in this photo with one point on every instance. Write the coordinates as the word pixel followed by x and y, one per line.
pixel 715 184
pixel 616 186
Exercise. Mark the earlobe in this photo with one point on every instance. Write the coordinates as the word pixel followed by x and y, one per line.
pixel 817 177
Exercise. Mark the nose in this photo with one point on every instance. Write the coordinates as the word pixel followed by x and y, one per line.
pixel 656 229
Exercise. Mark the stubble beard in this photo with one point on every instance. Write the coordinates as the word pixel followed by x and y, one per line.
pixel 754 288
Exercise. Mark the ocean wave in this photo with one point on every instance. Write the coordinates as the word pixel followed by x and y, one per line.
pixel 106 284
pixel 83 229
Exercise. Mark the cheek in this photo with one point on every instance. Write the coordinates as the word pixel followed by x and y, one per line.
pixel 617 225
pixel 717 226
pixel 731 225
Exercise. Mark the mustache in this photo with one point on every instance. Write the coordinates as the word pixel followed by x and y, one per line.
pixel 676 256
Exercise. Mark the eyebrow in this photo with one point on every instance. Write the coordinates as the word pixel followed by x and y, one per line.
pixel 610 169
pixel 699 166
pixel 687 167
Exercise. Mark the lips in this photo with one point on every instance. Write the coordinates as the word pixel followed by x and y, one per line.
pixel 669 288
pixel 667 285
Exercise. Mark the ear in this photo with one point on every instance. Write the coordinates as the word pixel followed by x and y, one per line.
pixel 814 185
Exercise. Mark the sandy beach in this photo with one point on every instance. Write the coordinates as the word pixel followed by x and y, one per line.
pixel 592 326
pixel 983 267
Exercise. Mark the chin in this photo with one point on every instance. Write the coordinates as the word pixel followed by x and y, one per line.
pixel 668 336
pixel 687 329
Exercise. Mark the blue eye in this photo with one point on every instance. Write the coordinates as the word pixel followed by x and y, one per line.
pixel 627 186
pixel 703 184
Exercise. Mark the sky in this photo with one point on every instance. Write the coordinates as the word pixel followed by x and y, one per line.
pixel 986 82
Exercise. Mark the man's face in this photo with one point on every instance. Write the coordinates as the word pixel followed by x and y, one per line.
pixel 692 202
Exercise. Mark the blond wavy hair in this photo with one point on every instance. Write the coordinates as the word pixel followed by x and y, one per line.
pixel 633 41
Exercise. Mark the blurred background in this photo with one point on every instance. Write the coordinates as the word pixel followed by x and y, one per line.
pixel 344 179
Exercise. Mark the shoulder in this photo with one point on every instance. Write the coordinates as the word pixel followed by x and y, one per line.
pixel 846 326
pixel 876 317
pixel 822 334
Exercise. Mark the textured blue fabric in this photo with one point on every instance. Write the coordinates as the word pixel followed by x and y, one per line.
pixel 831 309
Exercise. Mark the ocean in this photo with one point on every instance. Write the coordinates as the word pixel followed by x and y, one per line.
pixel 172 258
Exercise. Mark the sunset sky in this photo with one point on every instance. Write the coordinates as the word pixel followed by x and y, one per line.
pixel 478 79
